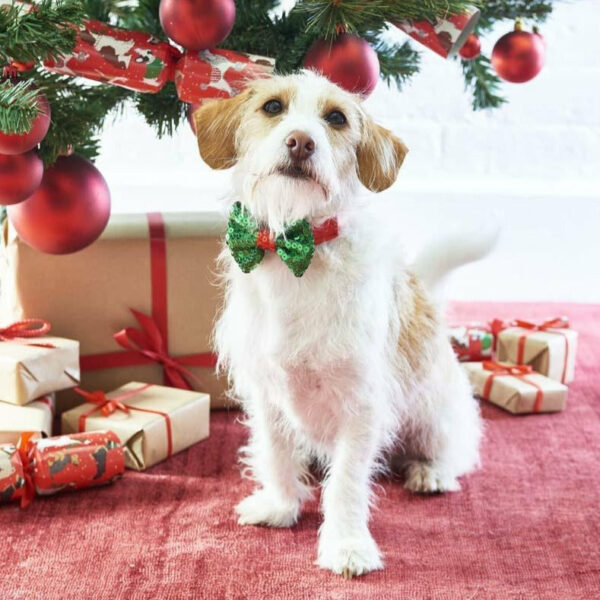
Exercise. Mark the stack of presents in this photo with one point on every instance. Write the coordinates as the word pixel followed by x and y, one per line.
pixel 521 366
pixel 115 339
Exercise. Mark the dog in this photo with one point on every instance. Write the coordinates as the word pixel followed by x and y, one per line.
pixel 334 347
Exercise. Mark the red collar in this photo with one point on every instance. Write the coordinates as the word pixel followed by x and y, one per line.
pixel 325 232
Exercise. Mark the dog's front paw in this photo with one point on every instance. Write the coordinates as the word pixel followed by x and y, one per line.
pixel 349 556
pixel 265 508
pixel 424 478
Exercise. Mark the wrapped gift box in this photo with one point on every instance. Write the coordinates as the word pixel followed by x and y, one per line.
pixel 160 265
pixel 471 342
pixel 36 416
pixel 516 388
pixel 550 351
pixel 33 367
pixel 153 423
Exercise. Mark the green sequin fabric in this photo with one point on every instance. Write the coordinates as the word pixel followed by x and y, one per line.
pixel 295 246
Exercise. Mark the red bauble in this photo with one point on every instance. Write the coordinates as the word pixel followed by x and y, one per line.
pixel 518 56
pixel 192 108
pixel 471 48
pixel 17 144
pixel 197 24
pixel 69 210
pixel 349 61
pixel 20 176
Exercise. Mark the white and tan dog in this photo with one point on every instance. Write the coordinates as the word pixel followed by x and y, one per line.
pixel 352 358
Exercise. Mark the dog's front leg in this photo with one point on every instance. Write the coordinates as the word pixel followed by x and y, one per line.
pixel 345 543
pixel 278 466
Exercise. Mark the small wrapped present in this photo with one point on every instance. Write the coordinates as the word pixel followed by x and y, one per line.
pixel 447 35
pixel 471 342
pixel 36 416
pixel 141 300
pixel 131 59
pixel 549 347
pixel 33 364
pixel 152 421
pixel 218 73
pixel 64 463
pixel 516 388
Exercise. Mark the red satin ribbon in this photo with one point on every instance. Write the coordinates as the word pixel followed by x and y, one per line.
pixel 109 405
pixel 27 328
pixel 149 344
pixel 325 232
pixel 548 326
pixel 23 450
pixel 519 371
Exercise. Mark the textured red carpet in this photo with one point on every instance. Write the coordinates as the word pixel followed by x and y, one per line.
pixel 526 526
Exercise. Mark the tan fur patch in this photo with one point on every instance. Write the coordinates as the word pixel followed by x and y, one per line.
pixel 380 155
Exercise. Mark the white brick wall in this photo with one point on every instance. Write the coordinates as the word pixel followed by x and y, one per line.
pixel 538 155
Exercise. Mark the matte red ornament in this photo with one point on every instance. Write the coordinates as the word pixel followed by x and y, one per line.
pixel 20 176
pixel 197 24
pixel 18 144
pixel 68 211
pixel 471 48
pixel 348 61
pixel 519 55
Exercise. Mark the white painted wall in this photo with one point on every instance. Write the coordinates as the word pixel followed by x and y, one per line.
pixel 533 165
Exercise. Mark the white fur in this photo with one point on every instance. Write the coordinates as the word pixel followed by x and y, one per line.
pixel 315 360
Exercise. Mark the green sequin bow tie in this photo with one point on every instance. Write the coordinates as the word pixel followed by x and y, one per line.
pixel 295 246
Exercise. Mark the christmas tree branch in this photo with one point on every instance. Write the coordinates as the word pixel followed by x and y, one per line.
pixel 18 106
pixel 397 62
pixel 483 83
pixel 493 11
pixel 42 32
pixel 163 111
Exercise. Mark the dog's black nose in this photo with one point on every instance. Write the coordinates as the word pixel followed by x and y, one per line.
pixel 300 145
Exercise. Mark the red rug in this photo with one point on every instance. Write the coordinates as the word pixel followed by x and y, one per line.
pixel 526 526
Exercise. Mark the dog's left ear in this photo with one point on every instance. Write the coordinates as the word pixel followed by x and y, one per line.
pixel 380 155
pixel 216 123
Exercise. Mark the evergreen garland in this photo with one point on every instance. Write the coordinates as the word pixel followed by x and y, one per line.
pixel 80 108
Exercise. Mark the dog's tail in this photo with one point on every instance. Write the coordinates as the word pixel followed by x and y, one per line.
pixel 441 257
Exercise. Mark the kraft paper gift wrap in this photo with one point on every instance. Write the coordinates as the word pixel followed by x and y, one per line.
pixel 28 370
pixel 531 392
pixel 36 416
pixel 551 352
pixel 89 295
pixel 160 421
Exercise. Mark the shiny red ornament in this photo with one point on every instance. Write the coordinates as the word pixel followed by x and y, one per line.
pixel 519 55
pixel 471 48
pixel 68 211
pixel 348 61
pixel 197 24
pixel 20 143
pixel 192 108
pixel 20 176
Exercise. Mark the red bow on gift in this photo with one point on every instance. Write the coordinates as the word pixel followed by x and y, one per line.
pixel 28 328
pixel 556 323
pixel 498 370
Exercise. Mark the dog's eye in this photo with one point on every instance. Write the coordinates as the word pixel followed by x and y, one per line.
pixel 273 107
pixel 336 117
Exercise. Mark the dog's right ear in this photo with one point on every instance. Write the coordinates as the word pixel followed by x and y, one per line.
pixel 216 123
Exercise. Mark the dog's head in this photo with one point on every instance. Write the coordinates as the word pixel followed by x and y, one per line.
pixel 301 145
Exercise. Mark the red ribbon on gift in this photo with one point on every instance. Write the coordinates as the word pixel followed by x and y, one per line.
pixel 22 330
pixel 548 326
pixel 519 371
pixel 149 344
pixel 109 405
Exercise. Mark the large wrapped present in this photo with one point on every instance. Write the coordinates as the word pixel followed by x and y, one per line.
pixel 153 422
pixel 33 364
pixel 130 59
pixel 516 388
pixel 36 416
pixel 549 347
pixel 218 73
pixel 161 267
pixel 64 463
